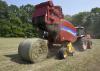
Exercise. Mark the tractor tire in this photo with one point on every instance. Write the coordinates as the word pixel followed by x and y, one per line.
pixel 89 44
pixel 81 44
pixel 34 50
pixel 84 45
pixel 62 53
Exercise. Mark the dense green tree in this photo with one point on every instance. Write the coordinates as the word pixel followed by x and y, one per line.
pixel 80 18
pixel 27 11
pixel 15 21
pixel 95 10
pixel 3 9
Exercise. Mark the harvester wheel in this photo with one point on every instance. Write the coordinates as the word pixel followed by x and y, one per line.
pixel 81 44
pixel 33 50
pixel 84 45
pixel 89 44
pixel 62 53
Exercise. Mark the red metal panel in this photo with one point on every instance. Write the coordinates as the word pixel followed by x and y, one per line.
pixel 40 9
pixel 39 12
pixel 68 24
pixel 63 35
pixel 44 4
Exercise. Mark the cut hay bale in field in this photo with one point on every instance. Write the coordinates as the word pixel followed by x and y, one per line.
pixel 33 50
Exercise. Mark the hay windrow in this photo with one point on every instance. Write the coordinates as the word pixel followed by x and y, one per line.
pixel 33 50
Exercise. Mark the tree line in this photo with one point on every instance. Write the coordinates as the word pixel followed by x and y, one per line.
pixel 17 21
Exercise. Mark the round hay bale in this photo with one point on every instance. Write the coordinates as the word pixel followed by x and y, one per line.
pixel 33 50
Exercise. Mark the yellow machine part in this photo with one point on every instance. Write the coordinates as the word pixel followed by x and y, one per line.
pixel 65 54
pixel 70 47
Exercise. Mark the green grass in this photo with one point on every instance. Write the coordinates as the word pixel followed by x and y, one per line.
pixel 88 60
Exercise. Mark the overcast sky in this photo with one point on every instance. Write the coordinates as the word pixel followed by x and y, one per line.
pixel 69 7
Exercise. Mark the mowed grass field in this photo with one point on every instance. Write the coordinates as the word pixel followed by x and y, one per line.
pixel 88 60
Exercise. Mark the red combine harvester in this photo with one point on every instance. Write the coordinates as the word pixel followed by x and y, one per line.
pixel 51 27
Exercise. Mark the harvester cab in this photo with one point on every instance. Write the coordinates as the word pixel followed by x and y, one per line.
pixel 80 31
